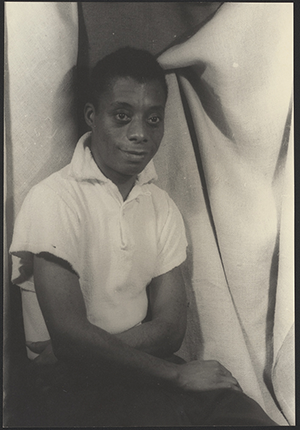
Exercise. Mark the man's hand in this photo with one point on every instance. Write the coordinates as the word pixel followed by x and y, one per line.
pixel 205 375
pixel 45 351
pixel 50 372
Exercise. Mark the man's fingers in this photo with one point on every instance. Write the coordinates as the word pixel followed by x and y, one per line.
pixel 230 382
pixel 225 372
pixel 38 347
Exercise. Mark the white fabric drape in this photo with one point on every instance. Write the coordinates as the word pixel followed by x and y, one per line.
pixel 40 121
pixel 42 47
pixel 233 85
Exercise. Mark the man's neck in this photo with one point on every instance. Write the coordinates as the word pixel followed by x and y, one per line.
pixel 126 187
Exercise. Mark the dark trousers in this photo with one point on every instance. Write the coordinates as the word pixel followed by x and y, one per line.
pixel 61 397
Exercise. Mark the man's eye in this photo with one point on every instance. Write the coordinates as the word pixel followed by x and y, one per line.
pixel 154 119
pixel 122 117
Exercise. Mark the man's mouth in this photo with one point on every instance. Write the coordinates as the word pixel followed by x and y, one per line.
pixel 134 154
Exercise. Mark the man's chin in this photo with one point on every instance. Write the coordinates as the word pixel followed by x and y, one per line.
pixel 134 170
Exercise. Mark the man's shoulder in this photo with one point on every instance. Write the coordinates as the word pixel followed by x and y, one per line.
pixel 57 180
pixel 157 192
pixel 56 186
pixel 161 198
pixel 160 192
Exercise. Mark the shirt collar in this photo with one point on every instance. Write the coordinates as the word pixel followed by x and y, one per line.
pixel 84 168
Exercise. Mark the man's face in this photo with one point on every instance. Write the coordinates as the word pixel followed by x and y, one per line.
pixel 127 127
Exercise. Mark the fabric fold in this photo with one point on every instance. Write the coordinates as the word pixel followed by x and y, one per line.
pixel 235 85
pixel 42 49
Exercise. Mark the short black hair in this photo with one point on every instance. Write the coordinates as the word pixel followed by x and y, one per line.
pixel 137 64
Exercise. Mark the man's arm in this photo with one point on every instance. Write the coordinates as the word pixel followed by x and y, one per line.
pixel 163 334
pixel 76 340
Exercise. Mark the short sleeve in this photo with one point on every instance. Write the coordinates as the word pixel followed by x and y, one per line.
pixel 172 241
pixel 45 224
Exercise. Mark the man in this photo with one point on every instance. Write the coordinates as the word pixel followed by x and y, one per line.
pixel 105 246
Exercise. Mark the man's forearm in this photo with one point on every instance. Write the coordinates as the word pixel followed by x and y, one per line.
pixel 155 337
pixel 98 352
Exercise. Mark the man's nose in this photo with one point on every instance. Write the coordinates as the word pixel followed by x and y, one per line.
pixel 137 131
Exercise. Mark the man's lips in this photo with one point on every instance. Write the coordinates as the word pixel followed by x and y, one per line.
pixel 133 154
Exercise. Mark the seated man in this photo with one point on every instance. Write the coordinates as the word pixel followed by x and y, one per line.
pixel 105 246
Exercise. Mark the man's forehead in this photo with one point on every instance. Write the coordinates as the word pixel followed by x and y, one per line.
pixel 130 80
pixel 122 88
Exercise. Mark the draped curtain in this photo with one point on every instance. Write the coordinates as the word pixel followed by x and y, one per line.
pixel 226 160
pixel 41 47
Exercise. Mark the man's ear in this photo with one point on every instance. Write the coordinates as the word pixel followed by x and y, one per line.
pixel 89 114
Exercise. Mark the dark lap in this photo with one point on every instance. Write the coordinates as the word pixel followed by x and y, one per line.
pixel 62 402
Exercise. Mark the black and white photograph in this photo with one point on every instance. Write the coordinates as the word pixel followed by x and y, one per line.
pixel 148 214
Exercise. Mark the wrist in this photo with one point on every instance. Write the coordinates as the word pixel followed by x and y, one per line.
pixel 171 375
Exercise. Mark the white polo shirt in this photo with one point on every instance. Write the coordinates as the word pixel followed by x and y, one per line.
pixel 116 247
